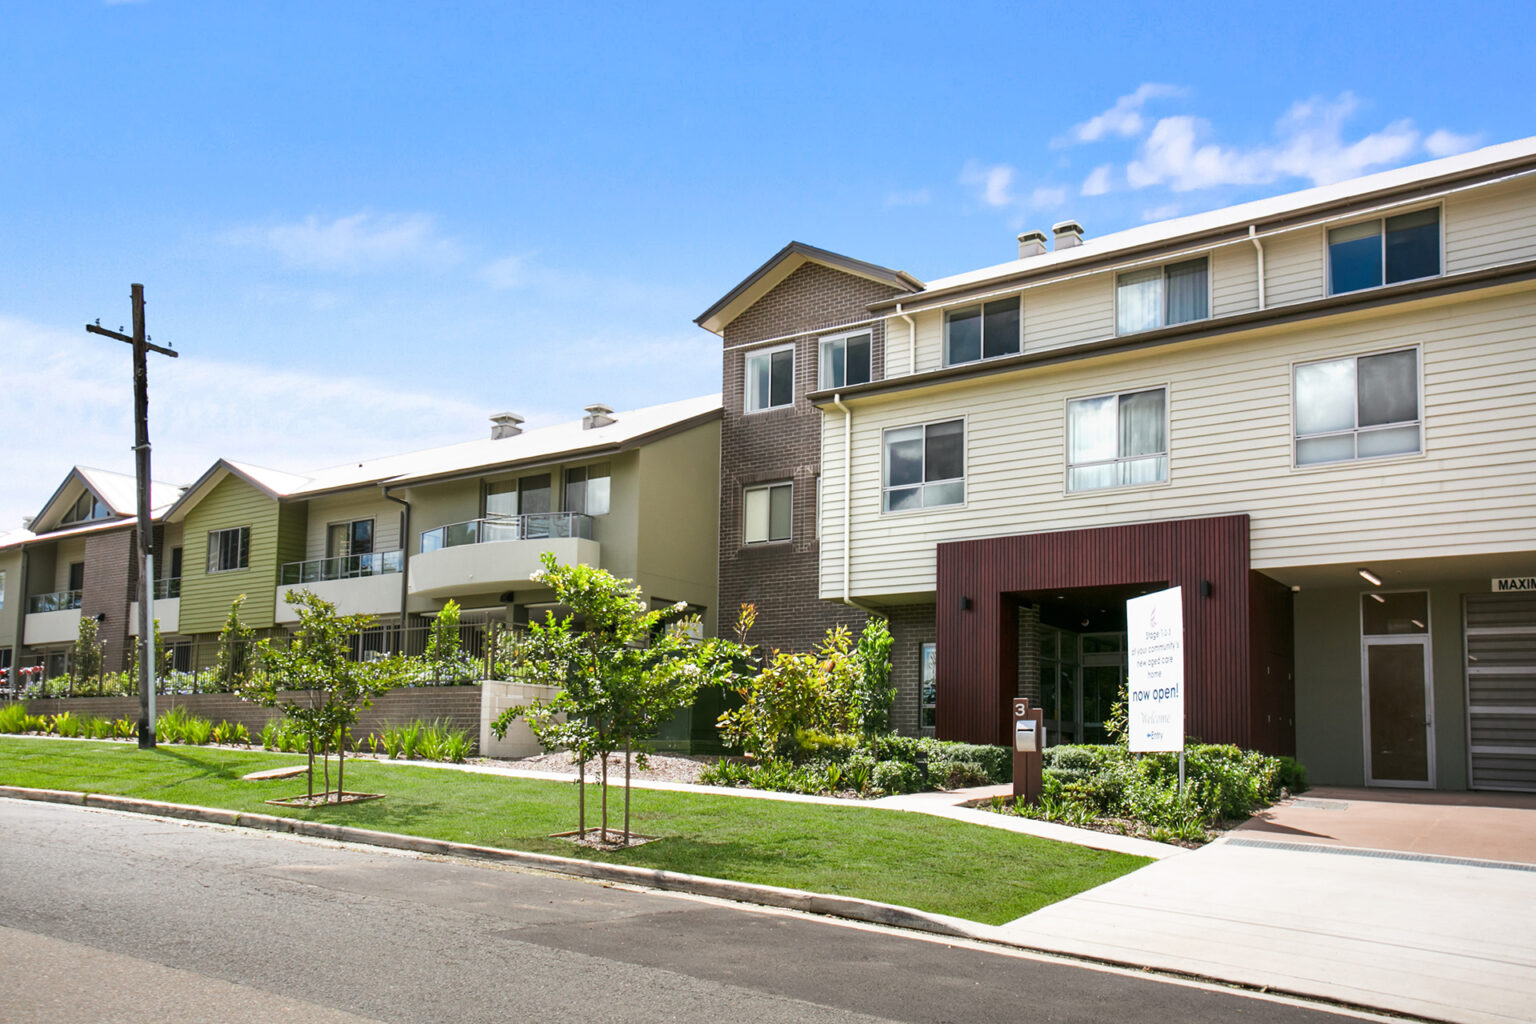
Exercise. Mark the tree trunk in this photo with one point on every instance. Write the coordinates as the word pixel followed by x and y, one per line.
pixel 341 764
pixel 311 773
pixel 325 760
pixel 581 798
pixel 626 792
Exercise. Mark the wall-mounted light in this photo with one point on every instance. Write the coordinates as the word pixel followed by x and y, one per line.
pixel 1370 577
pixel 965 604
pixel 1295 588
pixel 1205 588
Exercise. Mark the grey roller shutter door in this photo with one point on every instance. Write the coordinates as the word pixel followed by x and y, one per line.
pixel 1501 690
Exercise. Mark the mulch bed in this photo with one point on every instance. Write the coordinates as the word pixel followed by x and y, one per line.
pixel 326 799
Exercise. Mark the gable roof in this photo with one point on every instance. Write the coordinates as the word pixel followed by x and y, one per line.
pixel 117 491
pixel 563 440
pixel 785 262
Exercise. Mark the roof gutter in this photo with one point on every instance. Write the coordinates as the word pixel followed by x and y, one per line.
pixel 1253 236
pixel 911 339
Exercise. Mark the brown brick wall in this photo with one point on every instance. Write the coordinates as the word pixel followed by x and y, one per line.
pixel 911 627
pixel 785 444
pixel 111 571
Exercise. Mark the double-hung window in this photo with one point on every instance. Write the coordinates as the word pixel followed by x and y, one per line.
pixel 982 332
pixel 770 380
pixel 229 549
pixel 1162 296
pixel 1359 407
pixel 586 490
pixel 1384 251
pixel 1117 440
pixel 924 466
pixel 766 513
pixel 845 360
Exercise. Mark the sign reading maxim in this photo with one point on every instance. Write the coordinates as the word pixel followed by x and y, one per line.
pixel 1155 645
pixel 1515 585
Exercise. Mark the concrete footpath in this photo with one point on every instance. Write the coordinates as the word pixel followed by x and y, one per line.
pixel 1435 937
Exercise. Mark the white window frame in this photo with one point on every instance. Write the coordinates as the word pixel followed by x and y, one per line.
pixel 1066 419
pixel 746 377
pixel 824 365
pixel 1381 219
pixel 211 547
pixel 1210 297
pixel 965 466
pixel 587 468
pixel 770 539
pixel 1335 463
pixel 349 523
pixel 981 305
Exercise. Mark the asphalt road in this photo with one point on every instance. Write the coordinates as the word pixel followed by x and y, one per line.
pixel 115 918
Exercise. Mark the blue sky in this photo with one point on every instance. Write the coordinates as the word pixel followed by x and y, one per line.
pixel 369 226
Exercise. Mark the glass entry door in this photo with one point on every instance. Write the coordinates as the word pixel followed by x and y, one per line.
pixel 1080 680
pixel 1395 670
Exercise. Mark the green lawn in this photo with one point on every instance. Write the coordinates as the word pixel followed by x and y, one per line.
pixel 914 860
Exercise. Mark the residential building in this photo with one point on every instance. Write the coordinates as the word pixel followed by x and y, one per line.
pixel 799 322
pixel 1315 414
pixel 79 557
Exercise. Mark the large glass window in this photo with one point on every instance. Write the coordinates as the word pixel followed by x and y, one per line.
pixel 1160 296
pixel 529 495
pixel 928 685
pixel 766 513
pixel 845 360
pixel 1384 251
pixel 353 538
pixel 87 507
pixel 586 490
pixel 1359 407
pixel 229 549
pixel 982 332
pixel 1117 440
pixel 924 466
pixel 770 378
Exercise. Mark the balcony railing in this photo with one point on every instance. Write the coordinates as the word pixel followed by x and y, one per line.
pixel 168 588
pixel 58 601
pixel 539 526
pixel 342 567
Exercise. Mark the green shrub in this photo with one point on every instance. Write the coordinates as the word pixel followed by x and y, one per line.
pixel 284 736
pixel 231 733
pixel 13 718
pixel 178 725
pixel 897 777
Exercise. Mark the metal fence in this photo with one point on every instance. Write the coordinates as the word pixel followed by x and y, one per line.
pixel 484 651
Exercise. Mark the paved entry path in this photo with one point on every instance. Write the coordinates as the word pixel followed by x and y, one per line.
pixel 1377 903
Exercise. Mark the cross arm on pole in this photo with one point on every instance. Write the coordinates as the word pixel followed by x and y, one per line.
pixel 123 337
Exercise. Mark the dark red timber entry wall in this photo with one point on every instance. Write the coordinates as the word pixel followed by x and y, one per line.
pixel 1231 694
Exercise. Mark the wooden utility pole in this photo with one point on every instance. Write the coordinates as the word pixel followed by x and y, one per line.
pixel 141 350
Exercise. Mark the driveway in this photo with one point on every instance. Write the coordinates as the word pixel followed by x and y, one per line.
pixel 1381 900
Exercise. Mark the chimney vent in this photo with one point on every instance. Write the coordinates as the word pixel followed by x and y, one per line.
pixel 506 424
pixel 1031 243
pixel 1068 233
pixel 26 521
pixel 598 415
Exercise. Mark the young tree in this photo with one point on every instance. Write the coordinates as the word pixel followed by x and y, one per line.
pixel 874 693
pixel 623 672
pixel 160 657
pixel 445 648
pixel 237 651
pixel 86 664
pixel 324 686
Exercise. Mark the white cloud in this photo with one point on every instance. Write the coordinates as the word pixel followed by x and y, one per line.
pixel 1160 212
pixel 1311 145
pixel 994 182
pixel 361 241
pixel 911 197
pixel 1047 196
pixel 1124 118
pixel 1099 181
pixel 200 409
pixel 1443 143
pixel 506 273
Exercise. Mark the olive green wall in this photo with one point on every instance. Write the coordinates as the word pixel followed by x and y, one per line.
pixel 1330 725
pixel 14 602
pixel 205 598
pixel 680 519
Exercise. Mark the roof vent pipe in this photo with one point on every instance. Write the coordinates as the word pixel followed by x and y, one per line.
pixel 598 415
pixel 506 424
pixel 1068 233
pixel 1031 243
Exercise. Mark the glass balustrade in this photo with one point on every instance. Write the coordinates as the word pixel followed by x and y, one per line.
pixel 342 567
pixel 540 526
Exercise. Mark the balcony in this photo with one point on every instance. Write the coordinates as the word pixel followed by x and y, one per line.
pixel 499 553
pixel 355 584
pixel 52 618
pixel 168 588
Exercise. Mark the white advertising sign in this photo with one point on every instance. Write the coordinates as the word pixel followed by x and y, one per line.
pixel 1155 645
pixel 1515 585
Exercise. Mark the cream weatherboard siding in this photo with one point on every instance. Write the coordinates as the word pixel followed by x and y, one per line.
pixel 1234 279
pixel 206 597
pixel 1489 227
pixel 348 507
pixel 1230 449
